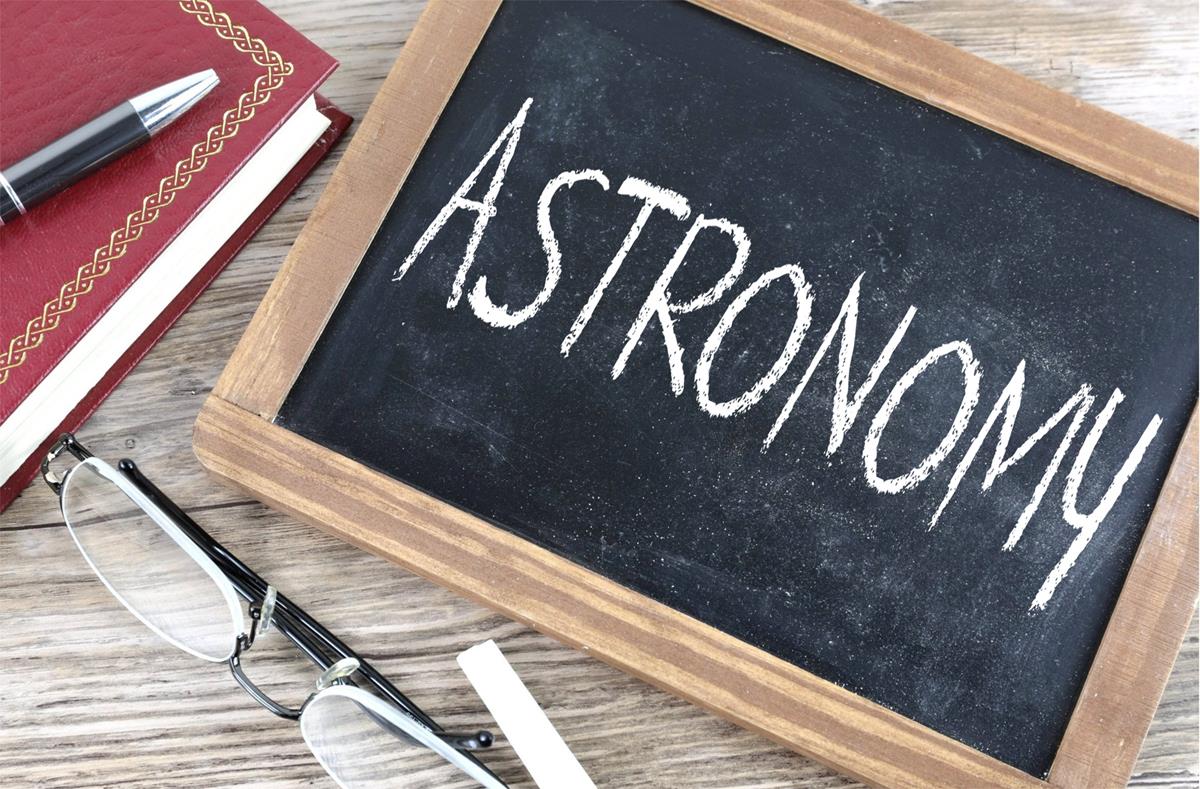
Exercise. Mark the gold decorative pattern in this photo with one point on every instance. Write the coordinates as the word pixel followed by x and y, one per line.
pixel 275 69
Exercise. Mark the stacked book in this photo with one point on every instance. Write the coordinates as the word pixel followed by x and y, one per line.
pixel 92 278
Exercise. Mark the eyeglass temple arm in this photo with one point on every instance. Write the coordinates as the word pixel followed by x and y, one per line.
pixel 289 617
pixel 297 625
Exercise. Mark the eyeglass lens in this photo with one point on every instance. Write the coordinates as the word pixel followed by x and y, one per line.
pixel 147 570
pixel 360 751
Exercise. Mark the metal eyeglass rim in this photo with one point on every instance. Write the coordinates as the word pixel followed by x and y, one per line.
pixel 308 635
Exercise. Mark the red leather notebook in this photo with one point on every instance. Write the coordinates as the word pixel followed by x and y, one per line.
pixel 90 279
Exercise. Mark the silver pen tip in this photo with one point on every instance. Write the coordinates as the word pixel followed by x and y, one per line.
pixel 159 107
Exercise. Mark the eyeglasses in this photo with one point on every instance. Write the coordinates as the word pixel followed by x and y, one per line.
pixel 184 585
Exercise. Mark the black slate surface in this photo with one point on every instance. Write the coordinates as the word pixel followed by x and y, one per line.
pixel 1020 255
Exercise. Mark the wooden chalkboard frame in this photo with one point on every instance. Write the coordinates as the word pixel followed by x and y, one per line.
pixel 235 436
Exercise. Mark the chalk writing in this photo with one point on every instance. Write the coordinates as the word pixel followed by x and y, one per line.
pixel 660 307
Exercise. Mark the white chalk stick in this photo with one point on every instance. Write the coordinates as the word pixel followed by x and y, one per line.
pixel 532 735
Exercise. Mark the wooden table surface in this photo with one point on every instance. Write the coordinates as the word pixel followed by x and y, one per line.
pixel 90 697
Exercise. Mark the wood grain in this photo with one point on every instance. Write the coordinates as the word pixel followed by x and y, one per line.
pixel 92 700
pixel 1128 673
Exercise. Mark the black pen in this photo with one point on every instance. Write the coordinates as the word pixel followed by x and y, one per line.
pixel 96 143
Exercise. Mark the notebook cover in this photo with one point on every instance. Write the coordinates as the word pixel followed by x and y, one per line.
pixel 339 122
pixel 69 259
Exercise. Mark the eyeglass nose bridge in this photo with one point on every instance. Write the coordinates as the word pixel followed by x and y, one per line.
pixel 260 616
pixel 255 692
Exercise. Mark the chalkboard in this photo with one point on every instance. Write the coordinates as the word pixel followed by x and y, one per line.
pixel 852 379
